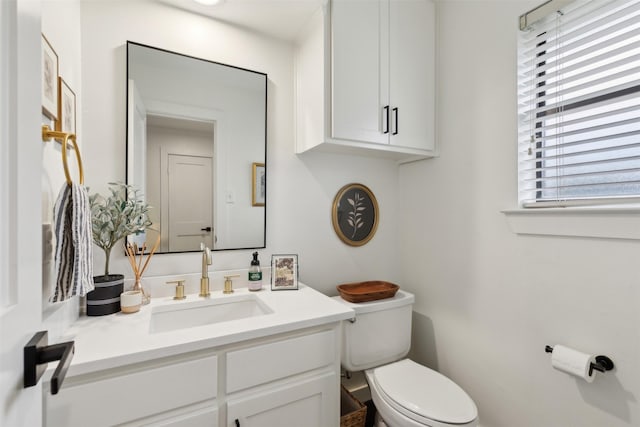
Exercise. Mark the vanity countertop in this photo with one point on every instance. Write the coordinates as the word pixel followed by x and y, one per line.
pixel 110 341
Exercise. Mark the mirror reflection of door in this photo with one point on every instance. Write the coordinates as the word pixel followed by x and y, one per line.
pixel 180 154
pixel 138 132
pixel 190 212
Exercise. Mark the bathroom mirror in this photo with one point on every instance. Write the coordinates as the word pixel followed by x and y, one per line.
pixel 196 130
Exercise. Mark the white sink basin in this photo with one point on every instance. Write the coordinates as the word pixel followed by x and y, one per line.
pixel 206 312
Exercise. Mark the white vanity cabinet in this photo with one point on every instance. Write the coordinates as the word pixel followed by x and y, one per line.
pixel 365 79
pixel 284 379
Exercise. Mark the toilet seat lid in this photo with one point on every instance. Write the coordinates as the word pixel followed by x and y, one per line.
pixel 425 393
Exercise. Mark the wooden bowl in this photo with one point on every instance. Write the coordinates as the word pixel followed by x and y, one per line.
pixel 367 291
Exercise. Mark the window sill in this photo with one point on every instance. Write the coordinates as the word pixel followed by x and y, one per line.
pixel 596 222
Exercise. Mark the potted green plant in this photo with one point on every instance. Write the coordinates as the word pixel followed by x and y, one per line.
pixel 122 213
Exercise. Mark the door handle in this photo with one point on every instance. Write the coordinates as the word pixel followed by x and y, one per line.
pixel 36 356
pixel 386 113
pixel 395 114
pixel 207 229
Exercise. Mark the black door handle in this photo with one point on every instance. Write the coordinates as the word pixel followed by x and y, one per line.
pixel 207 229
pixel 395 113
pixel 386 113
pixel 36 356
pixel 237 423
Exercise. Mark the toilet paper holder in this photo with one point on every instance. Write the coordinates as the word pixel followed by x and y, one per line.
pixel 603 363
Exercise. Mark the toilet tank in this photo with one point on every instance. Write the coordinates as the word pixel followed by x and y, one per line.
pixel 380 334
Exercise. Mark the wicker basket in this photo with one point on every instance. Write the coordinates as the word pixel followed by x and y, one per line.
pixel 352 412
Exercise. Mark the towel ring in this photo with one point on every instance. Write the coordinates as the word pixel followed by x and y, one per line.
pixel 64 137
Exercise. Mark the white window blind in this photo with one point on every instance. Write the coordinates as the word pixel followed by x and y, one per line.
pixel 579 105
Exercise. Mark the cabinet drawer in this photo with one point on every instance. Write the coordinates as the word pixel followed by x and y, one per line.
pixel 268 362
pixel 133 395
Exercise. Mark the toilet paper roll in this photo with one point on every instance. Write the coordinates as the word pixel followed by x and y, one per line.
pixel 573 362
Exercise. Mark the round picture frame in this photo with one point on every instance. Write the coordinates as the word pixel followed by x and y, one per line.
pixel 355 214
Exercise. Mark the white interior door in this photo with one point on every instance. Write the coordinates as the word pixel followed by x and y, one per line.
pixel 20 212
pixel 190 211
pixel 137 137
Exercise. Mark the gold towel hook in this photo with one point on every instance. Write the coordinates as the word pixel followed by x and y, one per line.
pixel 64 137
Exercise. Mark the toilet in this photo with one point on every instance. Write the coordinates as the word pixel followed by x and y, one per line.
pixel 404 392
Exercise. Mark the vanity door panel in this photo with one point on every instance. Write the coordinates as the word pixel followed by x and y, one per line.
pixel 309 403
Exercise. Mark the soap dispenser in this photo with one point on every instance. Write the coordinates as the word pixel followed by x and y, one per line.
pixel 255 274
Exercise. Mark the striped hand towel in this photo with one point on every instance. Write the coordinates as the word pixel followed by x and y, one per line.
pixel 74 245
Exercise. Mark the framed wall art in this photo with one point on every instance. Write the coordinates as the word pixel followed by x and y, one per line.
pixel 259 185
pixel 49 80
pixel 284 272
pixel 66 108
pixel 355 214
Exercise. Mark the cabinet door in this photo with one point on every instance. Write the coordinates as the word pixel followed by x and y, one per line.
pixel 412 73
pixel 359 79
pixel 310 403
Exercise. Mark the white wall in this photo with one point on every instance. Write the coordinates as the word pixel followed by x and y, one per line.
pixel 488 300
pixel 60 24
pixel 300 189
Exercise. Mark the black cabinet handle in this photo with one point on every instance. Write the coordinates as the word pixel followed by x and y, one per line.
pixel 395 113
pixel 386 113
pixel 207 229
pixel 237 423
pixel 36 356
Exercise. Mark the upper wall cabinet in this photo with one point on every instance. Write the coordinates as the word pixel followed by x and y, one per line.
pixel 365 79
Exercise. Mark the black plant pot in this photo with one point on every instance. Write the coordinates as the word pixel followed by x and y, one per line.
pixel 105 298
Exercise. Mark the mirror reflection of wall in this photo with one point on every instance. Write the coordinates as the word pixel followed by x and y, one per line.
pixel 195 128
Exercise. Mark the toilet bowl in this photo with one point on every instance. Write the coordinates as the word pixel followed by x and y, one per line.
pixel 405 393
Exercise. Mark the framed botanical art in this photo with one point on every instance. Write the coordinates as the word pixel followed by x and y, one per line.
pixel 284 272
pixel 355 214
pixel 49 80
pixel 66 108
pixel 259 185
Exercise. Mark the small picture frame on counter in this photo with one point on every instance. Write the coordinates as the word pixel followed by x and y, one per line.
pixel 284 272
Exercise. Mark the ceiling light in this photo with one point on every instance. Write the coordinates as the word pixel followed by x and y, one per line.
pixel 209 2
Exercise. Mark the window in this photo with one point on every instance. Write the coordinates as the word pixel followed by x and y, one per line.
pixel 579 104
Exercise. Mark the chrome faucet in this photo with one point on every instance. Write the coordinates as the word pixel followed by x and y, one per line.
pixel 206 262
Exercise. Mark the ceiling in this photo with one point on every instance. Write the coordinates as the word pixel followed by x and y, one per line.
pixel 282 19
